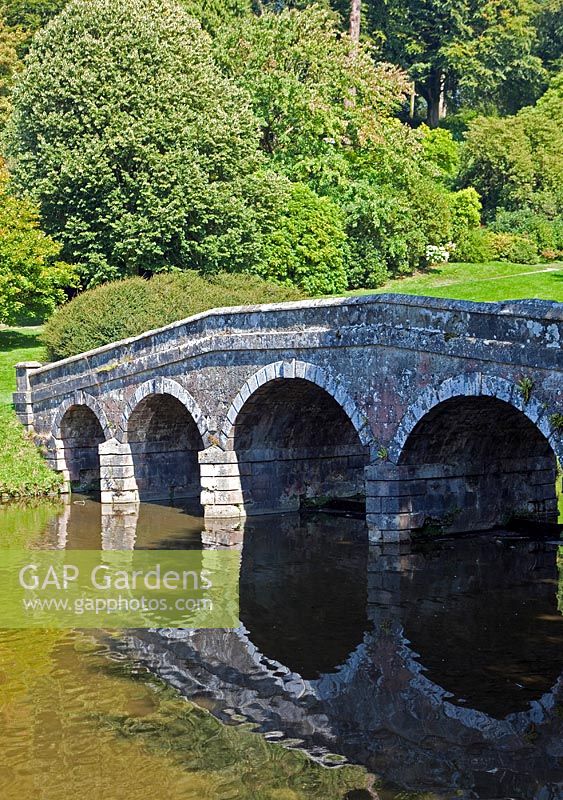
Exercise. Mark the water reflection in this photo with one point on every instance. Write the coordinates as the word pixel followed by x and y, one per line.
pixel 438 666
pixel 303 596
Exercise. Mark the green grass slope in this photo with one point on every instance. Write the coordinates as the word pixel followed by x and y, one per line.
pixel 490 282
pixel 23 471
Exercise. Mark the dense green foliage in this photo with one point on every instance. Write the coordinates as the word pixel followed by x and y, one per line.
pixel 261 138
pixel 212 172
pixel 515 162
pixel 545 232
pixel 29 15
pixel 32 281
pixel 125 308
pixel 317 97
pixel 459 52
pixel 216 14
pixel 308 247
pixel 327 117
pixel 148 170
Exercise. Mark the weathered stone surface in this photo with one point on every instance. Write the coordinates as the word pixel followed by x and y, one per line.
pixel 418 403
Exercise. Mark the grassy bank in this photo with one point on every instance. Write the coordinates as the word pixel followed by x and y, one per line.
pixel 488 282
pixel 23 472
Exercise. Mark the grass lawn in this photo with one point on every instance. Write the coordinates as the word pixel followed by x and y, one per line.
pixel 488 282
pixel 23 472
pixel 16 344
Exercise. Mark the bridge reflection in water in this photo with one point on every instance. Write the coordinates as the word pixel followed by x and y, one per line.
pixel 436 665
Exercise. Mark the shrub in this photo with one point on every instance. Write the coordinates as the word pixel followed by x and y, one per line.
pixel 308 247
pixel 441 150
pixel 126 308
pixel 475 246
pixel 389 230
pixel 515 248
pixel 515 162
pixel 465 210
pixel 135 146
pixel 497 160
pixel 546 233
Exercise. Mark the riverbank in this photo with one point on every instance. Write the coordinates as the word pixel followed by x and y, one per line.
pixel 23 470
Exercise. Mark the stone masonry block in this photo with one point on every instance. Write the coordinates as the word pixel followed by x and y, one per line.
pixel 230 484
pixel 111 472
pixel 115 460
pixel 214 455
pixel 223 512
pixel 118 484
pixel 125 497
pixel 113 447
pixel 300 369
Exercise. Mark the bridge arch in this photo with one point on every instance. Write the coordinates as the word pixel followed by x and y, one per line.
pixel 82 399
pixel 161 386
pixel 164 429
pixel 79 427
pixel 484 452
pixel 298 436
pixel 473 385
pixel 300 370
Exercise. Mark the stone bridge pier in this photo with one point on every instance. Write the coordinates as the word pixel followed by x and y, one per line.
pixel 441 414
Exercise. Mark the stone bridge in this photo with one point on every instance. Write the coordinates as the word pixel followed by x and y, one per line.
pixel 439 412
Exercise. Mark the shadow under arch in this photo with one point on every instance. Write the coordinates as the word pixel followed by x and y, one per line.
pixel 163 427
pixel 482 454
pixel 79 427
pixel 298 437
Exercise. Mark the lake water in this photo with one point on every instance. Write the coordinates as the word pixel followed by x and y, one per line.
pixel 433 671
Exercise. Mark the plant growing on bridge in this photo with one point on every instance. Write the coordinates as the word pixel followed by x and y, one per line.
pixel 556 422
pixel 525 386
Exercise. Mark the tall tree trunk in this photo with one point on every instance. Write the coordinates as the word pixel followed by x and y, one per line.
pixel 436 97
pixel 412 100
pixel 355 17
pixel 355 20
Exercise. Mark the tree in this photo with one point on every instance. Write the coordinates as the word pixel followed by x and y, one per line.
pixel 549 25
pixel 327 114
pixel 299 70
pixel 461 51
pixel 29 15
pixel 515 162
pixel 214 14
pixel 32 281
pixel 355 20
pixel 133 144
pixel 10 64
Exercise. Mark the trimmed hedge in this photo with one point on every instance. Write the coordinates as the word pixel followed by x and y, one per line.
pixel 126 308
